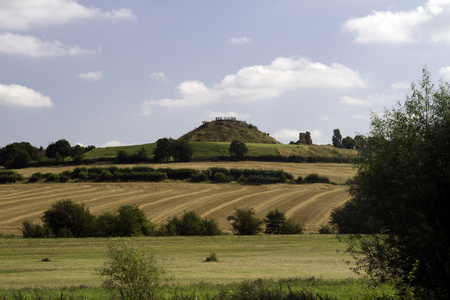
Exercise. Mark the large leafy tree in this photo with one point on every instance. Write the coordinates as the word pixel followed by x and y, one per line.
pixel 244 222
pixel 61 147
pixel 401 193
pixel 168 149
pixel 238 149
pixel 337 138
pixel 18 155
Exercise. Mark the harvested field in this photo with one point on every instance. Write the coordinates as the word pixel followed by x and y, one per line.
pixel 337 173
pixel 309 204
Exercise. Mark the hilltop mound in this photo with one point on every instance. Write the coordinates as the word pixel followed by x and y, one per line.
pixel 227 130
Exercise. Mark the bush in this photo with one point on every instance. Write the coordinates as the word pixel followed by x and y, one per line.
pixel 276 223
pixel 133 274
pixel 36 177
pixel 31 230
pixel 325 229
pixel 212 257
pixel 200 177
pixel 132 221
pixel 219 177
pixel 67 218
pixel 190 224
pixel 51 177
pixel 243 222
pixel 9 177
pixel 315 178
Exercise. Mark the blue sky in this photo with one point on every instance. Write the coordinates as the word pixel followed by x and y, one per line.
pixel 116 72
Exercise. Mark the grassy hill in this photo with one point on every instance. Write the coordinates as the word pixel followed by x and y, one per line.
pixel 214 150
pixel 227 131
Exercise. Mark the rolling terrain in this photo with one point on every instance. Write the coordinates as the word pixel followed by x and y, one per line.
pixel 309 204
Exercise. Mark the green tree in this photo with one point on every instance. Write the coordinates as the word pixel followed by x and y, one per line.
pixel 238 149
pixel 402 190
pixel 18 155
pixel 277 223
pixel 134 274
pixel 77 153
pixel 168 149
pixel 61 147
pixel 337 138
pixel 133 222
pixel 360 142
pixel 243 222
pixel 348 143
pixel 67 218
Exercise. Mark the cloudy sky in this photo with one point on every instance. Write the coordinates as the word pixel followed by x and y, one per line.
pixel 116 72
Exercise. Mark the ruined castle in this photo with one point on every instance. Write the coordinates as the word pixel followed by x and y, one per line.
pixel 304 138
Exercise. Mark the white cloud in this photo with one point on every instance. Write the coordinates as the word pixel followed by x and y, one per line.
pixel 256 83
pixel 91 76
pixel 430 22
pixel 113 143
pixel 211 115
pixel 27 45
pixel 292 135
pixel 373 99
pixel 26 14
pixel 158 75
pixel 444 72
pixel 402 85
pixel 17 95
pixel 241 40
pixel 360 116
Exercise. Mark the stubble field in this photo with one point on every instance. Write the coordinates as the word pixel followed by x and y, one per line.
pixel 309 204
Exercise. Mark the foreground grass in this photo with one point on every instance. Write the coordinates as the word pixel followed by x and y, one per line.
pixel 65 268
pixel 72 262
pixel 312 287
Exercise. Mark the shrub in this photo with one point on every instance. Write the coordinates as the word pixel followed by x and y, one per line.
pixel 133 222
pixel 190 224
pixel 243 222
pixel 276 223
pixel 199 177
pixel 107 225
pixel 51 177
pixel 135 275
pixel 315 178
pixel 212 257
pixel 36 177
pixel 31 230
pixel 67 218
pixel 325 229
pixel 9 177
pixel 220 177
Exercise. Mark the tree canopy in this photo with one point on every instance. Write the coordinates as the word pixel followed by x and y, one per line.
pixel 402 191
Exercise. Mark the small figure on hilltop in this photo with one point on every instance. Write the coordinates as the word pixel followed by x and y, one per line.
pixel 304 138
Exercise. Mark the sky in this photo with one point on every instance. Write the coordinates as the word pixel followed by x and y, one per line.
pixel 127 72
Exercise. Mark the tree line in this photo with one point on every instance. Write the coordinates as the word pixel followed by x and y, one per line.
pixel 67 219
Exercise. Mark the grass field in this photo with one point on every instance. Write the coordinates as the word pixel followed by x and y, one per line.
pixel 72 262
pixel 216 149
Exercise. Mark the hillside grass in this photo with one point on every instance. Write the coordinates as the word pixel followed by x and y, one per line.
pixel 208 150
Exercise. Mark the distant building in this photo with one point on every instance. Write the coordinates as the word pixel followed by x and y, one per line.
pixel 304 138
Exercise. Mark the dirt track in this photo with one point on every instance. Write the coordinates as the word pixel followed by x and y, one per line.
pixel 308 204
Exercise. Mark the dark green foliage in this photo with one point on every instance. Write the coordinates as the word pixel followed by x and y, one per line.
pixel 67 218
pixel 32 230
pixel 219 177
pixel 348 143
pixel 51 177
pixel 77 153
pixel 238 149
pixel 325 229
pixel 277 223
pixel 36 177
pixel 402 190
pixel 18 155
pixel 61 147
pixel 200 177
pixel 107 225
pixel 211 258
pixel 360 142
pixel 243 222
pixel 337 138
pixel 190 224
pixel 316 178
pixel 178 174
pixel 9 176
pixel 133 222
pixel 168 149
